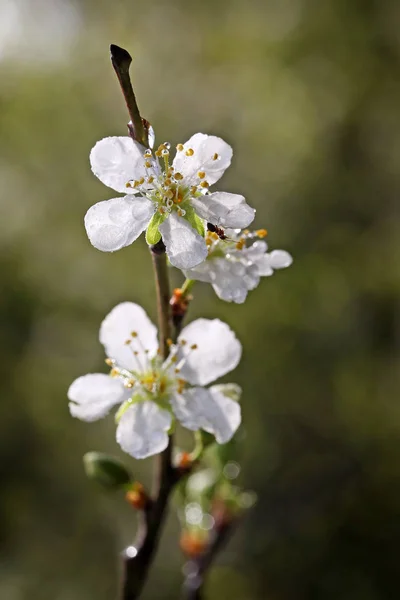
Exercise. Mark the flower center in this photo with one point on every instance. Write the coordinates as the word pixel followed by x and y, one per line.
pixel 167 187
pixel 152 379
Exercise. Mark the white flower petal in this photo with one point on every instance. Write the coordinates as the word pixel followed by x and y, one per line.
pixel 185 247
pixel 205 148
pixel 225 210
pixel 255 250
pixel 280 259
pixel 263 264
pixel 117 328
pixel 117 160
pixel 231 390
pixel 143 429
pixel 92 396
pixel 211 410
pixel 201 272
pixel 218 351
pixel 116 223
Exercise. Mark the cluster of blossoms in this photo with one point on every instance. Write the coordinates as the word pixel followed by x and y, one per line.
pixel 205 236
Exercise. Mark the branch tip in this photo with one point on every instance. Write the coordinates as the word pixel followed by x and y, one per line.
pixel 120 57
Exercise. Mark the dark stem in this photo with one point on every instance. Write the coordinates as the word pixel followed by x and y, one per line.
pixel 197 568
pixel 121 61
pixel 162 289
pixel 166 476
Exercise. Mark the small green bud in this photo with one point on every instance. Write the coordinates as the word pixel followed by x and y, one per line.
pixel 106 470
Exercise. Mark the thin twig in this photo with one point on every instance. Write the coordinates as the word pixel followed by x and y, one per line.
pixel 166 476
pixel 197 568
pixel 121 61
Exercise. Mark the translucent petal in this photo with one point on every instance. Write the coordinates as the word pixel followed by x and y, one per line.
pixel 280 259
pixel 205 148
pixel 117 328
pixel 117 160
pixel 116 223
pixel 143 429
pixel 218 351
pixel 185 247
pixel 92 396
pixel 208 409
pixel 201 272
pixel 224 210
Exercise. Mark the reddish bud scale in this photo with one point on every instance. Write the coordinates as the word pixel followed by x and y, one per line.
pixel 137 496
pixel 193 543
pixel 179 303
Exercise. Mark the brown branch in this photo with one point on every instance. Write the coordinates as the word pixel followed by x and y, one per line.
pixel 197 568
pixel 121 61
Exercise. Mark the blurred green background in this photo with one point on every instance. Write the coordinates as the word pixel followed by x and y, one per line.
pixel 308 95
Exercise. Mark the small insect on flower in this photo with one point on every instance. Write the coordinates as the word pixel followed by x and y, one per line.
pixel 218 230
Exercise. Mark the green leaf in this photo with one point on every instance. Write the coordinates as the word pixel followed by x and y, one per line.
pixel 106 470
pixel 152 233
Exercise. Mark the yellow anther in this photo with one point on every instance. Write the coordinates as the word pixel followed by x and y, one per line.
pixel 261 233
pixel 109 362
pixel 177 370
pixel 214 235
pixel 209 241
pixel 150 179
pixel 127 342
pixel 133 334
pixel 136 353
pixel 141 181
pixel 189 152
pixel 240 244
pixel 193 189
pixel 193 347
pixel 174 359
pixel 179 147
pixel 114 372
pixel 147 164
pixel 183 342
pixel 135 184
pixel 201 174
pixel 205 184
pixel 178 176
pixel 169 342
pixel 157 153
pixel 167 181
pixel 216 156
pixel 128 185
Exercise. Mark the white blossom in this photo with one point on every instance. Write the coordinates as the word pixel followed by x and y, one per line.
pixel 168 200
pixel 236 263
pixel 152 392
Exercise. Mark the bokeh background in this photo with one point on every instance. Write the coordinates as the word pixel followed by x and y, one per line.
pixel 308 94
